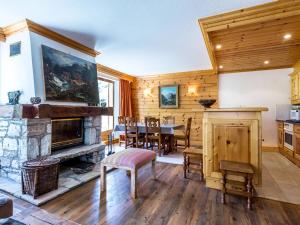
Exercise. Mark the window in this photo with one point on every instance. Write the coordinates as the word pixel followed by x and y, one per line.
pixel 106 96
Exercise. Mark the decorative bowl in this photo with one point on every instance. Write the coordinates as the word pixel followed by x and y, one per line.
pixel 35 100
pixel 207 103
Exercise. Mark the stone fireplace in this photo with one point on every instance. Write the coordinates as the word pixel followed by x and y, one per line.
pixel 26 133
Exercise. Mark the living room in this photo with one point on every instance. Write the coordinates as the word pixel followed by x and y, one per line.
pixel 161 112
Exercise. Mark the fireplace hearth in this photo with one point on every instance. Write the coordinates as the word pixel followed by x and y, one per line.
pixel 29 132
pixel 67 132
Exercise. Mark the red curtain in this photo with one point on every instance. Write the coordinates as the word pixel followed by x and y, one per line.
pixel 125 98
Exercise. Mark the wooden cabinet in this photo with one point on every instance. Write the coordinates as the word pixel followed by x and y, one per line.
pixel 231 135
pixel 295 95
pixel 280 135
pixel 293 156
pixel 231 142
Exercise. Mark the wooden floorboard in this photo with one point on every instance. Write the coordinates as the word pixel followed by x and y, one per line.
pixel 170 199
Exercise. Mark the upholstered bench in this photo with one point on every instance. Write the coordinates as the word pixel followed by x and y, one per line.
pixel 130 159
pixel 6 207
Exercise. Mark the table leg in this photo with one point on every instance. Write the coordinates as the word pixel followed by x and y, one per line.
pixel 133 183
pixel 103 178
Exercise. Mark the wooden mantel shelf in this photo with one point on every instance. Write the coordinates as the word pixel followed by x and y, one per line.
pixel 241 109
pixel 51 111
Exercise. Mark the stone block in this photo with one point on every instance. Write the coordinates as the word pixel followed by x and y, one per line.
pixel 4 123
pixel 15 164
pixel 7 111
pixel 10 144
pixel 36 130
pixel 49 128
pixel 10 154
pixel 23 149
pixel 46 145
pixel 14 130
pixel 97 121
pixel 33 148
pixel 5 162
pixel 3 132
pixel 90 136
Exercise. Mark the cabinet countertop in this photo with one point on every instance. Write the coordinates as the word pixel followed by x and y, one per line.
pixel 241 109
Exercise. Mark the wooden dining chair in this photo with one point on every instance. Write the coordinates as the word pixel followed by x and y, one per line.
pixel 132 136
pixel 184 137
pixel 121 120
pixel 169 120
pixel 153 134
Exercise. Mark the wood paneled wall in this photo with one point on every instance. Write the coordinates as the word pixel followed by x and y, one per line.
pixel 205 83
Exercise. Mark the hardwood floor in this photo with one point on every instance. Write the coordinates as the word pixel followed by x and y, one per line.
pixel 169 200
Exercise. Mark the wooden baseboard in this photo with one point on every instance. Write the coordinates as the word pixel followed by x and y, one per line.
pixel 269 149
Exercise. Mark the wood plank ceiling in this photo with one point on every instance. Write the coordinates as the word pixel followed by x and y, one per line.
pixel 254 38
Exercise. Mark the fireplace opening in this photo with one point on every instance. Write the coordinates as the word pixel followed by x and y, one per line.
pixel 66 132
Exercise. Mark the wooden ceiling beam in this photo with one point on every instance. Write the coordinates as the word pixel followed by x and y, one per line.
pixel 114 73
pixel 256 14
pixel 43 31
pixel 2 35
pixel 252 36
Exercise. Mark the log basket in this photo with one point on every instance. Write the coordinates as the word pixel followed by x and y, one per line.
pixel 40 176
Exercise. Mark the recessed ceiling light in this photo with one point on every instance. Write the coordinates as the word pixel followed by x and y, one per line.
pixel 218 46
pixel 266 62
pixel 221 67
pixel 287 36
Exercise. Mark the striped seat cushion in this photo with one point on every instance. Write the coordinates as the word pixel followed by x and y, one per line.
pixel 131 158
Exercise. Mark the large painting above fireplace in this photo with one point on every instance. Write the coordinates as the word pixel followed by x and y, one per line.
pixel 68 78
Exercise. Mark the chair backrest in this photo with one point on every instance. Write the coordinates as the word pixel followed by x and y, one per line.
pixel 121 119
pixel 188 127
pixel 152 125
pixel 131 125
pixel 169 120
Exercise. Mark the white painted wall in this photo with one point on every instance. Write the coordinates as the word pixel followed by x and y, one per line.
pixel 36 42
pixel 25 72
pixel 260 88
pixel 16 71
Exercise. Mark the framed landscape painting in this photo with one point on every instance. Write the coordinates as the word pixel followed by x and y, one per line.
pixel 68 78
pixel 168 96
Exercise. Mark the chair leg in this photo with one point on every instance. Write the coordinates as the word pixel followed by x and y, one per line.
pixel 188 164
pixel 184 165
pixel 153 169
pixel 103 178
pixel 223 181
pixel 133 183
pixel 159 148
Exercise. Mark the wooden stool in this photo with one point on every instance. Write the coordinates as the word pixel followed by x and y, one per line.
pixel 196 155
pixel 244 170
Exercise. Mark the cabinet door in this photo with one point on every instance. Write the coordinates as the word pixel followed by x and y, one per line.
pixel 297 146
pixel 295 88
pixel 280 138
pixel 231 143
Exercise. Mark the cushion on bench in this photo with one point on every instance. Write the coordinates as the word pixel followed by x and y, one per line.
pixel 132 157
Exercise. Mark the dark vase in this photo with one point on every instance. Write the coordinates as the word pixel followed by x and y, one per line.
pixel 13 97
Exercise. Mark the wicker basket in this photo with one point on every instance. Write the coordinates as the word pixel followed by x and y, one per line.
pixel 40 176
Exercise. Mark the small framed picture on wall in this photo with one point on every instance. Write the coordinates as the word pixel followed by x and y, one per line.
pixel 168 96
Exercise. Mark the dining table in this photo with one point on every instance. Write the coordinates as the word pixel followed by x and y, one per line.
pixel 166 129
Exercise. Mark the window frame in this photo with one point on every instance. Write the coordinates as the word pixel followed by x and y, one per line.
pixel 104 134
